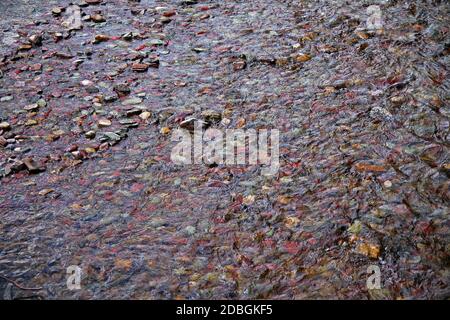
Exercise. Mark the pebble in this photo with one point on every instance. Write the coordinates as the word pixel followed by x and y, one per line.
pixel 3 141
pixel 6 98
pixel 41 103
pixel 104 123
pixel 190 230
pixel 145 115
pixel 4 126
pixel 93 2
pixel 165 130
pixel 303 58
pixel 132 101
pixel 101 38
pixel 369 249
pixel 31 122
pixel 31 107
pixel 211 116
pixel 140 67
pixel 122 89
pixel 87 83
pixel 98 18
pixel 90 134
pixel 56 11
pixel 32 166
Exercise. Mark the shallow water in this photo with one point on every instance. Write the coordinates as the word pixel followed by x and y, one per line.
pixel 364 139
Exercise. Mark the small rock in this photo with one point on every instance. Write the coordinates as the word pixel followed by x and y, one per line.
pixel 56 11
pixel 165 130
pixel 122 89
pixel 6 98
pixel 211 116
pixel 32 166
pixel 190 230
pixel 97 18
pixel 31 107
pixel 356 227
pixel 41 103
pixel 366 167
pixel 191 123
pixel 4 126
pixel 398 100
pixel 303 58
pixel 93 2
pixel 129 123
pixel 87 83
pixel 3 141
pixel 35 39
pixel 127 36
pixel 132 101
pixel 44 192
pixel 101 38
pixel 291 222
pixel 104 123
pixel 90 134
pixel 369 249
pixel 110 98
pixel 380 113
pixel 133 112
pixel 31 122
pixel 140 67
pixel 145 115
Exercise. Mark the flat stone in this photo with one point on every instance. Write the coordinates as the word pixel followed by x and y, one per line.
pixel 31 107
pixel 132 101
pixel 104 122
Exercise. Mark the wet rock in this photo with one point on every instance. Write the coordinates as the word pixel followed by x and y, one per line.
pixel 98 18
pixel 129 123
pixel 140 67
pixel 31 107
pixel 92 89
pixel 369 249
pixel 32 166
pixel 132 101
pixel 101 38
pixel 93 2
pixel 211 116
pixel 165 130
pixel 31 122
pixel 56 11
pixel 41 103
pixel 302 58
pixel 110 136
pixel 398 100
pixel 145 115
pixel 90 134
pixel 190 230
pixel 122 89
pixel 6 98
pixel 380 113
pixel 191 123
pixel 3 141
pixel 4 126
pixel 133 112
pixel 104 122
pixel 110 98
pixel 35 39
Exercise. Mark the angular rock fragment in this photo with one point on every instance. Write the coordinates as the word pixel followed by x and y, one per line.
pixel 32 166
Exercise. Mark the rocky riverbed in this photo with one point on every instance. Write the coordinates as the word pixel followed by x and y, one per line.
pixel 89 96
